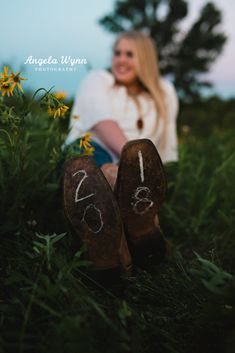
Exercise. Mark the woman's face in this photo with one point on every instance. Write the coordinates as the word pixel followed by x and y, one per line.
pixel 124 62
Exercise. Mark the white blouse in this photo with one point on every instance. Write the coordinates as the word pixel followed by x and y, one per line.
pixel 99 99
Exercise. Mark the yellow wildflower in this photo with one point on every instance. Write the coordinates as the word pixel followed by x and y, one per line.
pixel 85 141
pixel 4 76
pixel 60 95
pixel 90 151
pixel 6 88
pixel 15 80
pixel 60 111
pixel 63 109
pixel 50 111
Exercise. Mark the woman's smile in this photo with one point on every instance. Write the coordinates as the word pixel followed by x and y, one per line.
pixel 124 63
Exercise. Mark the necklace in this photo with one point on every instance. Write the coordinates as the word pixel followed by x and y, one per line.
pixel 140 120
pixel 140 123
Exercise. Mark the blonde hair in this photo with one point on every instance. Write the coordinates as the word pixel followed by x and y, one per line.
pixel 148 73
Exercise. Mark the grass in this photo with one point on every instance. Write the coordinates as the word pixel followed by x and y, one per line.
pixel 48 300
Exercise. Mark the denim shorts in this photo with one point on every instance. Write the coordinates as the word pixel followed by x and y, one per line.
pixel 100 155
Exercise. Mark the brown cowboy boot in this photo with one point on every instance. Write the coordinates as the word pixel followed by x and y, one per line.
pixel 92 210
pixel 140 191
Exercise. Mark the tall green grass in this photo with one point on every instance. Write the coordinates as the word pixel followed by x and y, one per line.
pixel 48 300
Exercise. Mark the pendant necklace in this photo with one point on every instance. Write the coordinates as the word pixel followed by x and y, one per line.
pixel 140 123
pixel 140 120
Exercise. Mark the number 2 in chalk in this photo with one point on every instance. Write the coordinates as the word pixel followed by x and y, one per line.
pixel 84 173
pixel 90 207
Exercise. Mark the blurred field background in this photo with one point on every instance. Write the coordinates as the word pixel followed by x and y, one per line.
pixel 48 301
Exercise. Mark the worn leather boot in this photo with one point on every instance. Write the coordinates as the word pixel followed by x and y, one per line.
pixel 140 191
pixel 93 212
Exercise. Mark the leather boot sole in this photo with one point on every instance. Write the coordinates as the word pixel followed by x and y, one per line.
pixel 93 213
pixel 140 191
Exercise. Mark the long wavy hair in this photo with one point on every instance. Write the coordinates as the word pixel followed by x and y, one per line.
pixel 148 73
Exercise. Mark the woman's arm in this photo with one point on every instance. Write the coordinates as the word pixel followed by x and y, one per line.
pixel 111 135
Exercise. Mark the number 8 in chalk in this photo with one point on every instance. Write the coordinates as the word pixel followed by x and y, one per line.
pixel 142 193
pixel 141 196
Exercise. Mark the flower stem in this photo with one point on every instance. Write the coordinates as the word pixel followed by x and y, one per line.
pixel 11 143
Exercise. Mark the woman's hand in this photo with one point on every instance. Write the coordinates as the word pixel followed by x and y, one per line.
pixel 111 135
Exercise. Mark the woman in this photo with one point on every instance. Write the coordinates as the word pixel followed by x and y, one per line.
pixel 130 103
